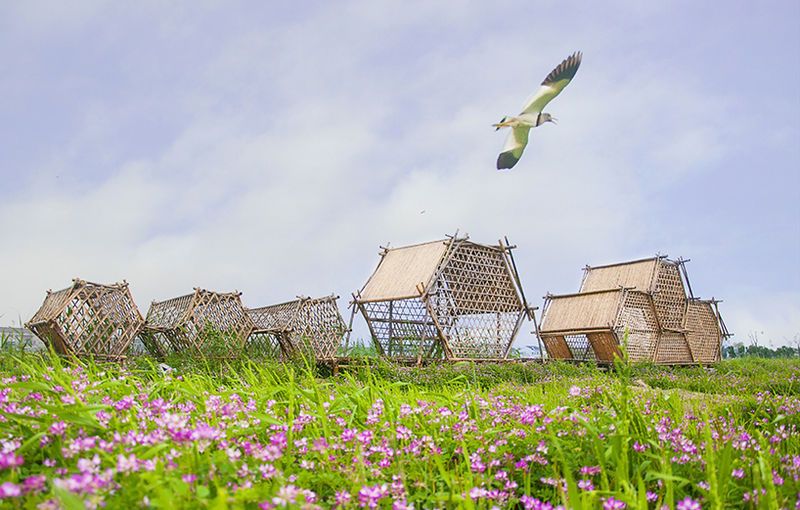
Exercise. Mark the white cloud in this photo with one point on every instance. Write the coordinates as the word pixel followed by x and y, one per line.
pixel 302 147
pixel 772 317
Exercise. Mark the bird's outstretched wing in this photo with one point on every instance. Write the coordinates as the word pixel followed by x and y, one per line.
pixel 515 143
pixel 553 84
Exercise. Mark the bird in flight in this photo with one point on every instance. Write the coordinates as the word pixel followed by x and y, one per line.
pixel 532 115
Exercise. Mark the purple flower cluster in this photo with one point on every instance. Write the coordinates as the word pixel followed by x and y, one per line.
pixel 325 448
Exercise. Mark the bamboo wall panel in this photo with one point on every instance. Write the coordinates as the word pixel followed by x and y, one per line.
pixel 641 344
pixel 556 347
pixel 484 307
pixel 604 344
pixel 313 327
pixel 669 296
pixel 265 345
pixel 318 327
pixel 673 348
pixel 703 332
pixel 638 321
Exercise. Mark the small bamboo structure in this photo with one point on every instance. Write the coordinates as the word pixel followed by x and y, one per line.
pixel 304 325
pixel 192 322
pixel 644 299
pixel 452 299
pixel 88 319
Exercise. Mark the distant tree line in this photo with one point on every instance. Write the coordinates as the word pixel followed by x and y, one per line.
pixel 759 351
pixel 756 350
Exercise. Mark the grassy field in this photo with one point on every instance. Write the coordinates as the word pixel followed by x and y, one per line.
pixel 257 435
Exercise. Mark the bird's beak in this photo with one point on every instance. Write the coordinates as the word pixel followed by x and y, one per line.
pixel 554 120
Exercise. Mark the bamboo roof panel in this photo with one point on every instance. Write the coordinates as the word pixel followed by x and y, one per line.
pixel 580 312
pixel 402 270
pixel 637 275
pixel 167 314
pixel 274 318
pixel 54 302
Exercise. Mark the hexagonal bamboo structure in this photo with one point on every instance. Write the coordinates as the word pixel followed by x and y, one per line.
pixel 88 319
pixel 304 325
pixel 645 299
pixel 452 299
pixel 197 323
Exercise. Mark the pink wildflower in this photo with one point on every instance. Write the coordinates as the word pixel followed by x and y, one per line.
pixel 613 504
pixel 688 504
pixel 34 483
pixel 9 490
pixel 286 495
pixel 590 470
pixel 10 460
pixel 478 493
pixel 531 503
pixel 369 496
pixel 342 498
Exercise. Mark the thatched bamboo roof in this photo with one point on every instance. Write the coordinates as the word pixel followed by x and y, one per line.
pixel 402 272
pixel 637 274
pixel 584 311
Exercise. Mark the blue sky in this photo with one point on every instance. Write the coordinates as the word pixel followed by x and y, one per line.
pixel 272 149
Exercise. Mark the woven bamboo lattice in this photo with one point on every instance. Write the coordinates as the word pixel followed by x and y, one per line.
pixel 642 303
pixel 703 331
pixel 211 323
pixel 637 319
pixel 579 347
pixel 88 319
pixel 451 299
pixel 673 349
pixel 305 325
pixel 669 295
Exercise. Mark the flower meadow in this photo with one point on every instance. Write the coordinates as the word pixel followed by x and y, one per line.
pixel 250 434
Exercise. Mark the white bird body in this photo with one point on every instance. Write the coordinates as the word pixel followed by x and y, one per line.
pixel 532 115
